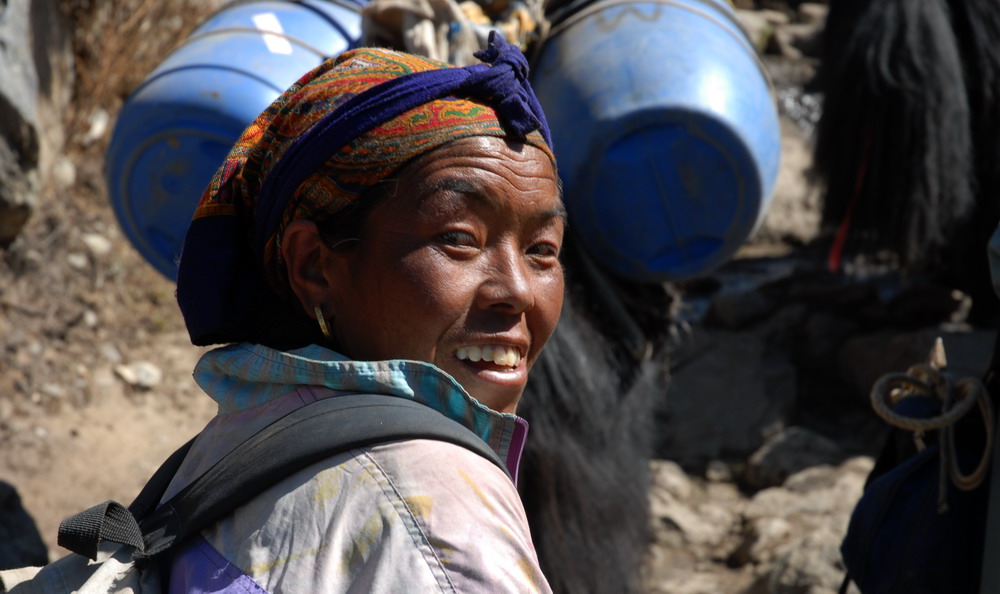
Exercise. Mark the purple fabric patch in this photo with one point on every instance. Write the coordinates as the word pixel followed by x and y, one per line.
pixel 199 569
pixel 516 447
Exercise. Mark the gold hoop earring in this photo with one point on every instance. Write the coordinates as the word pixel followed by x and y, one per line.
pixel 322 322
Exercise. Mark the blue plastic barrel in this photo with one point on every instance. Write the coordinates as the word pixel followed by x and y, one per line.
pixel 666 133
pixel 176 128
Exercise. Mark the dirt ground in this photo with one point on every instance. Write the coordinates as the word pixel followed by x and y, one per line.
pixel 80 308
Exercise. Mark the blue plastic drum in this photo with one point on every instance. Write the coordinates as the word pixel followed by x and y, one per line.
pixel 177 127
pixel 666 133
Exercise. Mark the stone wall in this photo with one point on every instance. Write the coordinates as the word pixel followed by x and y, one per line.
pixel 36 65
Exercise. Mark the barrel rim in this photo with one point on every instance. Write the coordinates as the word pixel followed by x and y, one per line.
pixel 742 39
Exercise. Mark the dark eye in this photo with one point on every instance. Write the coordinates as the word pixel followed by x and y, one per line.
pixel 545 250
pixel 457 239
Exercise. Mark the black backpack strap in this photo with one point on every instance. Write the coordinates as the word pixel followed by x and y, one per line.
pixel 110 521
pixel 152 493
pixel 303 437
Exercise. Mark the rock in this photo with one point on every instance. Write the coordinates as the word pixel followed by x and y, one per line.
pixel 694 527
pixel 813 493
pixel 53 390
pixel 738 310
pixel 778 521
pixel 786 453
pixel 670 477
pixel 795 41
pixel 692 582
pixel 18 192
pixel 110 352
pixel 688 581
pixel 141 374
pixel 54 63
pixel 767 538
pixel 99 121
pixel 19 93
pixel 77 260
pixel 813 566
pixel 64 173
pixel 728 391
pixel 820 338
pixel 794 213
pixel 97 244
pixel 718 471
pixel 813 13
pixel 775 17
pixel 19 144
pixel 21 544
pixel 758 28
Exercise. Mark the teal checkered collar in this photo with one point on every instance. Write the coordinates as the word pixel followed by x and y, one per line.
pixel 244 376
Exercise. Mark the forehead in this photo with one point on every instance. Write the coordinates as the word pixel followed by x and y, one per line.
pixel 491 172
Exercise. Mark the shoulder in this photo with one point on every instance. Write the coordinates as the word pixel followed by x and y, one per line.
pixel 430 514
pixel 466 511
pixel 437 466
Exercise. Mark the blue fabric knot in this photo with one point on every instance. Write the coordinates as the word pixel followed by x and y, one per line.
pixel 503 81
pixel 500 52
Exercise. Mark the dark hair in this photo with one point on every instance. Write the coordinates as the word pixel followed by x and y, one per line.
pixel 292 327
pixel 342 230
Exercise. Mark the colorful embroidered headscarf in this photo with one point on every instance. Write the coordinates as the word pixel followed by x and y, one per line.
pixel 340 129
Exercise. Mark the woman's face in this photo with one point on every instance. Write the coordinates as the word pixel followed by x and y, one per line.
pixel 458 267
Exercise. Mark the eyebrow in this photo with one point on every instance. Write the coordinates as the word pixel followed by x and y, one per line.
pixel 475 191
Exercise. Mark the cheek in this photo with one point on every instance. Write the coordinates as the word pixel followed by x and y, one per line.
pixel 548 306
pixel 431 290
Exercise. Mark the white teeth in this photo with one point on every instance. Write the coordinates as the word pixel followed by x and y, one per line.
pixel 501 355
pixel 513 357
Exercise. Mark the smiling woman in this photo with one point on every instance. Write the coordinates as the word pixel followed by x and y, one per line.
pixel 390 225
pixel 459 268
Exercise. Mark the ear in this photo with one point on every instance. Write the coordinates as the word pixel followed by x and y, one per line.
pixel 307 261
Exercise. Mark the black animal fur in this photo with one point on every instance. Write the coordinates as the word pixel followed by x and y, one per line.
pixel 977 28
pixel 895 111
pixel 590 401
pixel 910 134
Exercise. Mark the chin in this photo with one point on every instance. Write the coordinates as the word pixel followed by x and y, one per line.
pixel 504 403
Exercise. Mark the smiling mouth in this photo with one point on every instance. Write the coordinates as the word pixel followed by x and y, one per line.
pixel 500 355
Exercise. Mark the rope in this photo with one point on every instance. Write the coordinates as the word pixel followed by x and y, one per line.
pixel 958 399
pixel 891 388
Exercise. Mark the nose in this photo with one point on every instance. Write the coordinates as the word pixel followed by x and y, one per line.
pixel 509 284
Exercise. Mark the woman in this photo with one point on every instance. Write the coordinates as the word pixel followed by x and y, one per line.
pixel 388 225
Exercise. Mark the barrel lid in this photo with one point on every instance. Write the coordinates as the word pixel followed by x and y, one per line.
pixel 667 201
pixel 169 139
pixel 177 127
pixel 159 188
